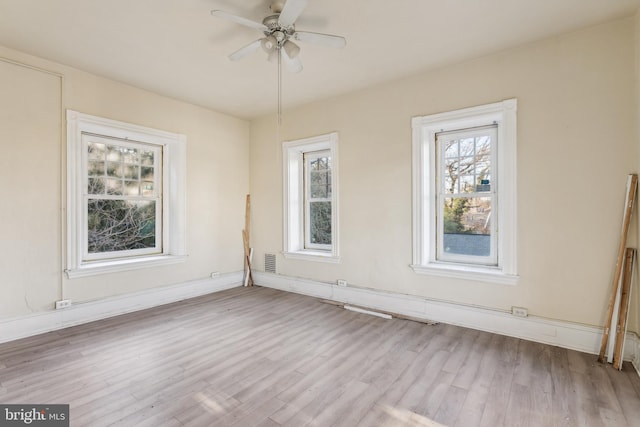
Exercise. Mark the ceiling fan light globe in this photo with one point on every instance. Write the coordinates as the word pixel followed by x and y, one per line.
pixel 291 48
pixel 269 44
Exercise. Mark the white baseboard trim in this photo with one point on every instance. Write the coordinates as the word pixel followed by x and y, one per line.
pixel 47 321
pixel 633 342
pixel 560 333
pixel 554 332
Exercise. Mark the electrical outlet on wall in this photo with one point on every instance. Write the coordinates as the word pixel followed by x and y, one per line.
pixel 64 303
pixel 342 282
pixel 519 311
pixel 215 274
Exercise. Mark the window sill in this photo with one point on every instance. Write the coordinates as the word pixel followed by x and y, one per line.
pixel 114 266
pixel 307 255
pixel 466 272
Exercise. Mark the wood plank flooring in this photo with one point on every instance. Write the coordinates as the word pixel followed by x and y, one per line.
pixel 261 357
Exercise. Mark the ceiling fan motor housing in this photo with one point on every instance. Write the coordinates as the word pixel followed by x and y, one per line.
pixel 276 30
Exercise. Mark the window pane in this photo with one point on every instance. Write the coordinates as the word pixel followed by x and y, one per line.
pixel 320 164
pixel 483 145
pixel 320 186
pixel 320 223
pixel 467 184
pixel 467 147
pixel 466 164
pixel 131 171
pixel 114 187
pixel 96 186
pixel 96 168
pixel 130 155
pixel 483 169
pixel 319 191
pixel 467 226
pixel 120 225
pixel 95 151
pixel 483 184
pixel 147 188
pixel 146 173
pixel 318 178
pixel 146 158
pixel 114 153
pixel 114 169
pixel 131 188
pixel 451 148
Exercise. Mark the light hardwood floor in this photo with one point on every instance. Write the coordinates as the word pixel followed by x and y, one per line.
pixel 261 357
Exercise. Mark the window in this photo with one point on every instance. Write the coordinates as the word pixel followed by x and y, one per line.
pixel 465 193
pixel 317 195
pixel 123 201
pixel 125 196
pixel 465 222
pixel 310 197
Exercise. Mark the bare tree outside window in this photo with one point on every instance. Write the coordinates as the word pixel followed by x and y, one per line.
pixel 466 196
pixel 318 175
pixel 119 225
pixel 122 198
pixel 465 193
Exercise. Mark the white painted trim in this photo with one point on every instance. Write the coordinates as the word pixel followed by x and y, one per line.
pixel 173 184
pixel 109 266
pixel 308 255
pixel 633 346
pixel 467 272
pixel 424 130
pixel 38 323
pixel 547 331
pixel 293 197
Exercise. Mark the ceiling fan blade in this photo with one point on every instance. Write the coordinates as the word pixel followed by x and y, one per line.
pixel 238 19
pixel 244 51
pixel 290 12
pixel 320 39
pixel 293 64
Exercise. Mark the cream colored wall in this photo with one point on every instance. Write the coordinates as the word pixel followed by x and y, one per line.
pixel 576 144
pixel 32 182
pixel 634 309
pixel 577 133
pixel 29 177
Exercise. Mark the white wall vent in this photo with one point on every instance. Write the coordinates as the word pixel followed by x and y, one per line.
pixel 269 263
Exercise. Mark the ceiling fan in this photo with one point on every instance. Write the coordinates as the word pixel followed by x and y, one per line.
pixel 279 30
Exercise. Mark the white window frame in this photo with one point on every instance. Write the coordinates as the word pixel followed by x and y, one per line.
pixel 307 158
pixel 173 235
pixel 294 207
pixel 441 254
pixel 156 198
pixel 425 128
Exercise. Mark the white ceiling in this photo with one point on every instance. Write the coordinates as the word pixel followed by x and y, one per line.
pixel 176 48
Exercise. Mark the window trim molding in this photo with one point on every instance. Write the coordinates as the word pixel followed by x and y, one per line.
pixel 173 184
pixel 293 198
pixel 424 129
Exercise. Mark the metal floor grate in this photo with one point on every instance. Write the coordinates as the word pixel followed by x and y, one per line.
pixel 269 263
